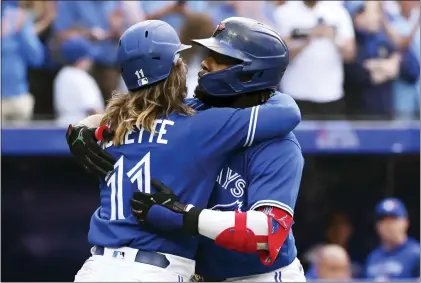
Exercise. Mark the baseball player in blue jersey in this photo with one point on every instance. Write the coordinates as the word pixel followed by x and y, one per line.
pixel 157 135
pixel 247 229
pixel 398 257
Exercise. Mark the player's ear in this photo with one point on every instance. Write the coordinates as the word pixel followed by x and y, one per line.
pixel 160 187
pixel 405 225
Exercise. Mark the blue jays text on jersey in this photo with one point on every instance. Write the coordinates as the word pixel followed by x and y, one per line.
pixel 267 174
pixel 401 263
pixel 186 153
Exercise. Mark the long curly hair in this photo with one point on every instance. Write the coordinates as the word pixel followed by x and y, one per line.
pixel 140 108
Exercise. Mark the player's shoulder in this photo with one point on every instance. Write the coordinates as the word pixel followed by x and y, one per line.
pixel 413 243
pixel 215 115
pixel 208 120
pixel 282 97
pixel 194 103
pixel 284 101
pixel 289 140
pixel 413 246
pixel 375 254
pixel 276 148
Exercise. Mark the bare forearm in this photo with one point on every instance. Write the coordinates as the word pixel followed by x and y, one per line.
pixel 41 25
pixel 347 50
pixel 295 47
pixel 393 63
pixel 66 34
pixel 404 42
pixel 401 42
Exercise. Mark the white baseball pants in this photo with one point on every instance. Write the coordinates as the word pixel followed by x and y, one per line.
pixel 123 268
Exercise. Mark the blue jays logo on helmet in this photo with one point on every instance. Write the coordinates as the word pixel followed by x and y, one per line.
pixel 220 27
pixel 146 53
pixel 263 54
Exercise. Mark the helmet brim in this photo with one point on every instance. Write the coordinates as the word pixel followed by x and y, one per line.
pixel 220 47
pixel 183 47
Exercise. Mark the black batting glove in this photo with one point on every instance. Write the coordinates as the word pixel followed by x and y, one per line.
pixel 85 148
pixel 142 202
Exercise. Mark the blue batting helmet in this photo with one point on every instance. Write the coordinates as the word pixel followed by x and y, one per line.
pixel 263 54
pixel 147 52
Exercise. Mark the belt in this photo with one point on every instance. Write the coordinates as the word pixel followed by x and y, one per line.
pixel 145 257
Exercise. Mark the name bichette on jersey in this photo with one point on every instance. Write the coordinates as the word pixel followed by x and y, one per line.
pixel 157 137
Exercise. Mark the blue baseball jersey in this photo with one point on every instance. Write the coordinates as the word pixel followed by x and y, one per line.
pixel 401 263
pixel 185 153
pixel 267 174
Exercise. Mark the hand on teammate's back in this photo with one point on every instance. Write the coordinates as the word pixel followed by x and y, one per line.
pixel 164 200
pixel 85 148
pixel 142 202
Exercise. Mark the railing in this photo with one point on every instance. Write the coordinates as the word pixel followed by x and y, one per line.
pixel 316 137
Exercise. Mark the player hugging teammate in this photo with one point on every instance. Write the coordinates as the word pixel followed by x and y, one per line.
pixel 245 234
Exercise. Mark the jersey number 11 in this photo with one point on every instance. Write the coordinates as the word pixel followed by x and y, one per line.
pixel 140 173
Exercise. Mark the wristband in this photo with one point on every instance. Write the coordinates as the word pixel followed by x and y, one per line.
pixel 191 221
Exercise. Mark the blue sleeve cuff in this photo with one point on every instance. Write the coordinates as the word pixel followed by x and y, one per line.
pixel 164 219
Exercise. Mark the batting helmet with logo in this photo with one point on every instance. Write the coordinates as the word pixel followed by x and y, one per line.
pixel 147 52
pixel 263 54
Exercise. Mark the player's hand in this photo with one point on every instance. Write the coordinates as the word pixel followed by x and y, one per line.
pixel 142 202
pixel 165 197
pixel 84 147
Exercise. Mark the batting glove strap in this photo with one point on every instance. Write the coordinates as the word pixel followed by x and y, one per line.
pixel 191 220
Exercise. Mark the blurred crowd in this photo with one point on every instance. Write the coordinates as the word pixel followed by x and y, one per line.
pixel 397 258
pixel 348 58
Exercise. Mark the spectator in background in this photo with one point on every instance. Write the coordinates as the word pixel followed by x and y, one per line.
pixel 261 11
pixel 255 10
pixel 76 94
pixel 221 10
pixel 42 13
pixel 377 65
pixel 102 22
pixel 41 78
pixel 331 263
pixel 403 28
pixel 20 48
pixel 320 37
pixel 11 3
pixel 338 231
pixel 398 257
pixel 133 12
pixel 196 26
pixel 172 12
